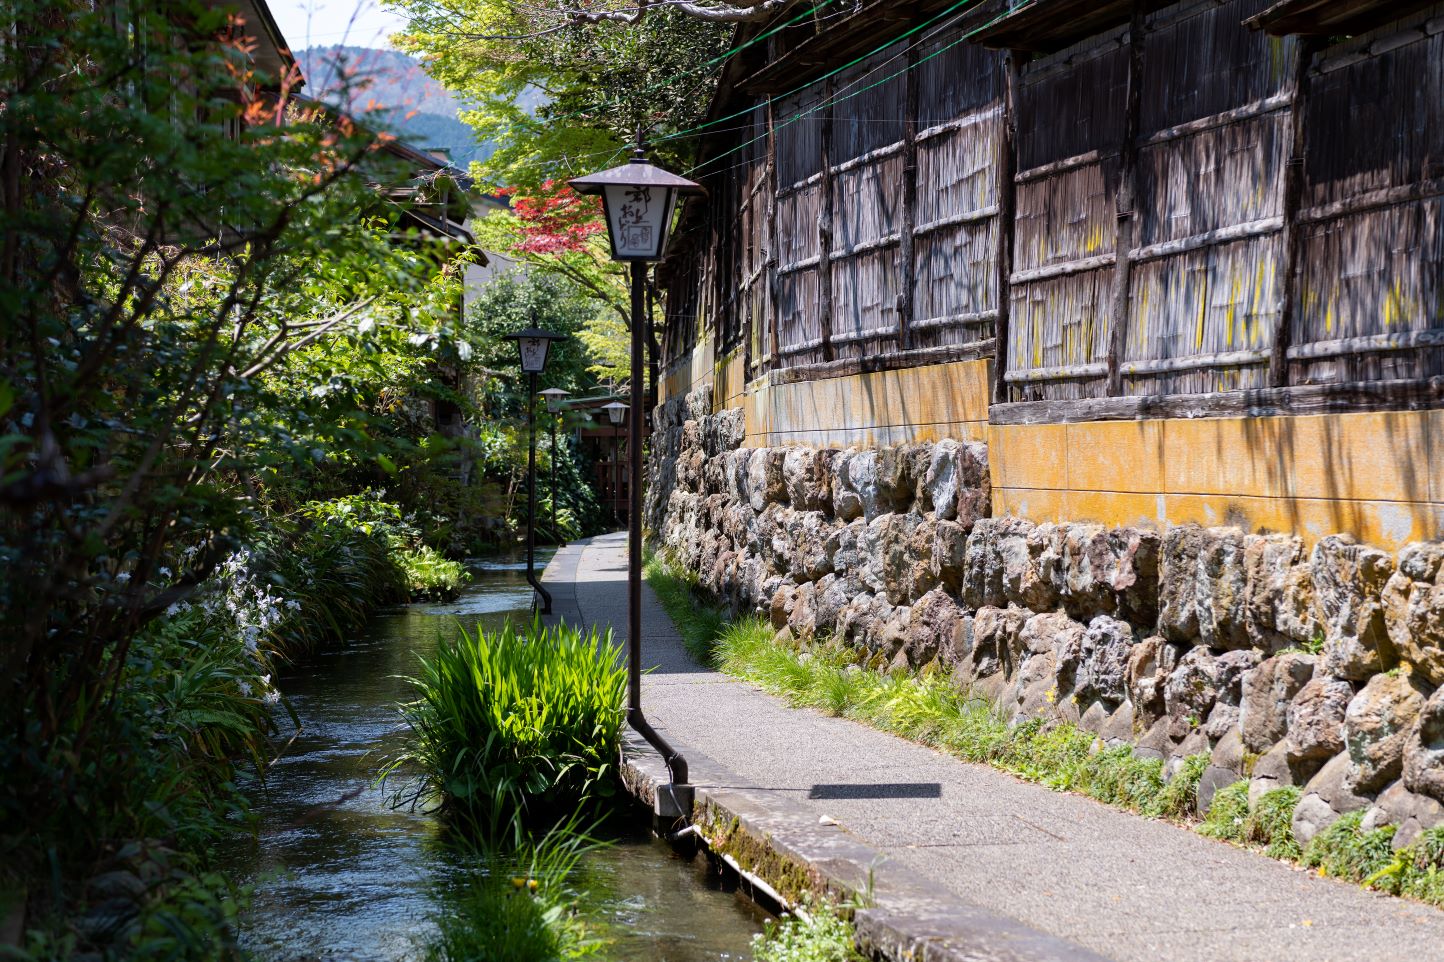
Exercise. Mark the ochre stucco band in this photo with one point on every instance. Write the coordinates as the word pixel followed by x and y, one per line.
pixel 1371 475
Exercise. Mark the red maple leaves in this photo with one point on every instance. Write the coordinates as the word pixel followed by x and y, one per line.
pixel 555 219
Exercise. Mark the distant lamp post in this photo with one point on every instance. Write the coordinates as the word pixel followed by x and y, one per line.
pixel 533 346
pixel 640 200
pixel 554 397
pixel 616 413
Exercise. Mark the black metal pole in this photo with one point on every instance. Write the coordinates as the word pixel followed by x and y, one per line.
pixel 556 531
pixel 546 598
pixel 676 764
pixel 614 476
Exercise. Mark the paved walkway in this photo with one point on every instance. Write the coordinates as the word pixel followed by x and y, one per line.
pixel 1125 887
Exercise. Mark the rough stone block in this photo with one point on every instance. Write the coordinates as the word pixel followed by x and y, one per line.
pixel 1413 601
pixel 1349 580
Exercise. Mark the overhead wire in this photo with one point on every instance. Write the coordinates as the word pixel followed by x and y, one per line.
pixel 838 98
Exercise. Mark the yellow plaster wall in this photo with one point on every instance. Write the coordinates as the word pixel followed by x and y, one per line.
pixel 876 408
pixel 688 373
pixel 1372 475
pixel 1377 476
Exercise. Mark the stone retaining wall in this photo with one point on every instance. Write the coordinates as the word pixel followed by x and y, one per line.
pixel 1289 667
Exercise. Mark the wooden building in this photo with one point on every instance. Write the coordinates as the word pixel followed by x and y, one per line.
pixel 1022 221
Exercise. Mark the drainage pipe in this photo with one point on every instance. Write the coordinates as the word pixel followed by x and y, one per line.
pixel 676 764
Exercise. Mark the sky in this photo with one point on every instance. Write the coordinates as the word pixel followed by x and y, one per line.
pixel 312 23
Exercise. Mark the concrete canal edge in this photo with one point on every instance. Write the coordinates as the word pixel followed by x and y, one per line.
pixel 908 918
pixel 769 836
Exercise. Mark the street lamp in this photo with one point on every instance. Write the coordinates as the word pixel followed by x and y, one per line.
pixel 640 200
pixel 533 346
pixel 616 411
pixel 554 397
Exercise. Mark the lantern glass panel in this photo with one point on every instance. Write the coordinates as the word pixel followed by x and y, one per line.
pixel 533 353
pixel 637 220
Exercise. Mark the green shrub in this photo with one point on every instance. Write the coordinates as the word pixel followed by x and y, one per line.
pixel 819 934
pixel 429 575
pixel 516 906
pixel 1227 813
pixel 1271 823
pixel 1416 871
pixel 1179 798
pixel 512 725
pixel 1344 850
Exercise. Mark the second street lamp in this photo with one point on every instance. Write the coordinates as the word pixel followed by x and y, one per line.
pixel 532 346
pixel 616 412
pixel 554 397
pixel 640 200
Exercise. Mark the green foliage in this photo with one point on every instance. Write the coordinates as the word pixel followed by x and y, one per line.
pixel 1344 850
pixel 601 80
pixel 1227 813
pixel 516 905
pixel 515 726
pixel 1271 823
pixel 820 933
pixel 1179 797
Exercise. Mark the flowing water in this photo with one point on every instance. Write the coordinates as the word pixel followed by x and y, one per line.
pixel 339 874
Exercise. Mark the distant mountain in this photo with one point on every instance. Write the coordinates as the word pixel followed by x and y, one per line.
pixel 390 89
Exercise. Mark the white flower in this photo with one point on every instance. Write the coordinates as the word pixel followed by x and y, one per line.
pixel 163 571
pixel 271 697
pixel 293 604
pixel 123 577
pixel 245 688
pixel 174 609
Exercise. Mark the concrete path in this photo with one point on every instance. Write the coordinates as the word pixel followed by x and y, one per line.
pixel 1120 885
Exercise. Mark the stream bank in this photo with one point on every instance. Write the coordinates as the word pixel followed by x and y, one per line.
pixel 338 873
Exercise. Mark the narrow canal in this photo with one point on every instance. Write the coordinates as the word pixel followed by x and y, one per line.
pixel 339 874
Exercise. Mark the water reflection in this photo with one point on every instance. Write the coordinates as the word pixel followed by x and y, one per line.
pixel 340 874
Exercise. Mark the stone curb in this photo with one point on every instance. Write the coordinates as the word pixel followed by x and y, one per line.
pixel 910 918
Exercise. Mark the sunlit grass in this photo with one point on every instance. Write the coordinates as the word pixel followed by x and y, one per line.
pixel 514 725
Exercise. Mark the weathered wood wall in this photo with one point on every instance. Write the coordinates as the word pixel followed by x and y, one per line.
pixel 1180 205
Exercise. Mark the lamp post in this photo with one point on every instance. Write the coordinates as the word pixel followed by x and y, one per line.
pixel 533 346
pixel 616 411
pixel 554 397
pixel 639 200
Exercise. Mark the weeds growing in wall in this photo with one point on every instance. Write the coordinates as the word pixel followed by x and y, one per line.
pixel 932 710
pixel 822 932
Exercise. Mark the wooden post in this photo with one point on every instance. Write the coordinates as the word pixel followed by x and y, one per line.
pixel 1007 193
pixel 774 293
pixel 1304 49
pixel 1127 201
pixel 824 230
pixel 907 266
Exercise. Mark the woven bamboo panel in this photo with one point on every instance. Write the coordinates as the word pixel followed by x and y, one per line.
pixel 1214 179
pixel 867 203
pixel 799 330
pixel 958 169
pixel 867 111
pixel 956 78
pixel 798 213
pixel 1057 324
pixel 1072 103
pixel 1067 216
pixel 864 299
pixel 1199 60
pixel 955 287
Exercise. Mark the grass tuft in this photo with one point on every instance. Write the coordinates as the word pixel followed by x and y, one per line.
pixel 821 933
pixel 513 725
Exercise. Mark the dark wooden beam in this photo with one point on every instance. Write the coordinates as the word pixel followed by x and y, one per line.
pixel 1044 26
pixel 907 266
pixel 1127 201
pixel 947 354
pixel 1266 402
pixel 825 228
pixel 1007 202
pixel 1293 188
pixel 1321 18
